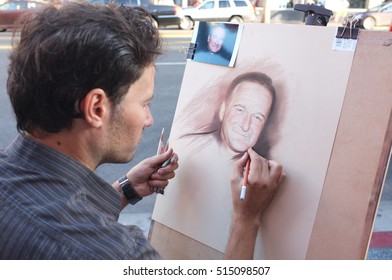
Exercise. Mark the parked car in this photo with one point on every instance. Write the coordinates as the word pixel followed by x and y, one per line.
pixel 163 15
pixel 218 10
pixel 378 16
pixel 11 10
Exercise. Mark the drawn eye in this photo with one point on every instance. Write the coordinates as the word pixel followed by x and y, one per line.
pixel 259 118
pixel 238 109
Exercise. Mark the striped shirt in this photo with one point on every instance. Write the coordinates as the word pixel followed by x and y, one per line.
pixel 52 207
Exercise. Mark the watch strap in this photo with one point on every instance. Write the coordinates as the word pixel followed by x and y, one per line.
pixel 129 192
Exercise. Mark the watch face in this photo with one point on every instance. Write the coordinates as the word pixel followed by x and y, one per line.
pixel 129 192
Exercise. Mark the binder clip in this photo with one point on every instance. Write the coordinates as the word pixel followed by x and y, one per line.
pixel 315 14
pixel 190 51
pixel 348 31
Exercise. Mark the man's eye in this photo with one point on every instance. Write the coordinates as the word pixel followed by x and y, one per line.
pixel 259 118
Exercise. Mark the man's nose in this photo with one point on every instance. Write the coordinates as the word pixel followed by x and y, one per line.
pixel 149 121
pixel 245 124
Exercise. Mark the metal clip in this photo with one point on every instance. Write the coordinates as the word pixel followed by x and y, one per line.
pixel 348 31
pixel 190 51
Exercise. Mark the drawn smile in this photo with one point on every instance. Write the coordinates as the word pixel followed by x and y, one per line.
pixel 241 133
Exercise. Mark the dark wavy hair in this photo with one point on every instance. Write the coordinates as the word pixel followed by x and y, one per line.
pixel 65 52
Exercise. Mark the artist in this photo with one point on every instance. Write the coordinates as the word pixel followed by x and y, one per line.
pixel 80 82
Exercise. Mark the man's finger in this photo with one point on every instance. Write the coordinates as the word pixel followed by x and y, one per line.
pixel 276 171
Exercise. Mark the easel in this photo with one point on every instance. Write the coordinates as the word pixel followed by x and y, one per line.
pixel 356 169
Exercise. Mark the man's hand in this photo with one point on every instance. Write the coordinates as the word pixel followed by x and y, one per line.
pixel 149 173
pixel 264 178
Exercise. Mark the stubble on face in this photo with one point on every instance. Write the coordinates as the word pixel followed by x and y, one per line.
pixel 129 118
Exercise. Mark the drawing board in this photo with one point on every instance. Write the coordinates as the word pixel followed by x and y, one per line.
pixel 326 108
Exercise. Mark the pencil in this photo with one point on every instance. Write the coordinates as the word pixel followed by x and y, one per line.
pixel 245 182
pixel 160 143
pixel 160 150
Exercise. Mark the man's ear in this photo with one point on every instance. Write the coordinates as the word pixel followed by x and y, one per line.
pixel 95 106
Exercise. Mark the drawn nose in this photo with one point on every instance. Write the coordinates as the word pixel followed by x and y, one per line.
pixel 245 125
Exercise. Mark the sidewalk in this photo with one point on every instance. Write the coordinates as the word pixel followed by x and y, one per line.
pixel 142 220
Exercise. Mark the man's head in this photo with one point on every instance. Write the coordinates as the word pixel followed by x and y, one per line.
pixel 64 53
pixel 216 38
pixel 249 101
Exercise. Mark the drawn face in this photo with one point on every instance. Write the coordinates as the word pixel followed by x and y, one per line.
pixel 216 38
pixel 245 116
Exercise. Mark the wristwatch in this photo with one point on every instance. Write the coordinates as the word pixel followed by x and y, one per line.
pixel 129 192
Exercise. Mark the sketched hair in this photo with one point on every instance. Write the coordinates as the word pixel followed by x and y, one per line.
pixel 254 77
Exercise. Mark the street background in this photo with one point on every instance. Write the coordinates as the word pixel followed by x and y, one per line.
pixel 169 72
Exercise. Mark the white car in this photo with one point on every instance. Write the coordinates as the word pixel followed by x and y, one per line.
pixel 218 10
